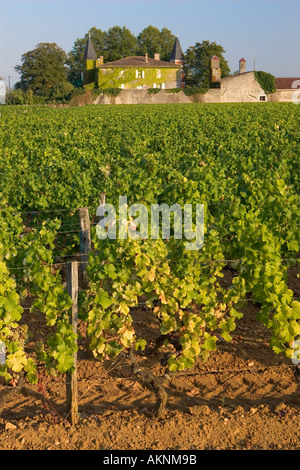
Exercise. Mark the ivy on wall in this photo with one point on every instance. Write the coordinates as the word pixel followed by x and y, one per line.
pixel 195 90
pixel 266 81
pixel 127 78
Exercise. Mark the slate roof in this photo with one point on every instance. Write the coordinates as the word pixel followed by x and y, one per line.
pixel 89 53
pixel 176 53
pixel 285 83
pixel 138 61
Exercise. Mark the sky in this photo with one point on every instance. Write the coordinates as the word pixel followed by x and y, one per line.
pixel 264 32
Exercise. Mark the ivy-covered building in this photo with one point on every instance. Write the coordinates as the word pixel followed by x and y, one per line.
pixel 134 72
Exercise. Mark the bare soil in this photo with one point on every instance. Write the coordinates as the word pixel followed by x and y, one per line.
pixel 243 397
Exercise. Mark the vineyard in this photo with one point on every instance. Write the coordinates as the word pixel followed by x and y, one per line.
pixel 147 314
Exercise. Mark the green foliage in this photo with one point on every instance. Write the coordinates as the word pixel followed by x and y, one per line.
pixel 119 42
pixel 112 91
pixel 194 90
pixel 43 71
pixel 25 270
pixel 173 90
pixel 197 63
pixel 152 40
pixel 266 81
pixel 17 97
pixel 118 76
pixel 153 91
pixel 244 171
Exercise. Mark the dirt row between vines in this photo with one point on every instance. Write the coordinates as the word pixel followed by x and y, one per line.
pixel 244 397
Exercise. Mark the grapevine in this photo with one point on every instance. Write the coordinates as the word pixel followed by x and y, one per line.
pixel 241 162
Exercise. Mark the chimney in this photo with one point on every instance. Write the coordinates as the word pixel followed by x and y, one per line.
pixel 146 57
pixel 157 56
pixel 242 66
pixel 100 60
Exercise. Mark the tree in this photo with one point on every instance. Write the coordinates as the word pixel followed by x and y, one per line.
pixel 197 63
pixel 152 40
pixel 119 43
pixel 167 40
pixel 74 60
pixel 43 71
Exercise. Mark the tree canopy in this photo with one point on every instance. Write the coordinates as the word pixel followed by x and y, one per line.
pixel 119 42
pixel 43 71
pixel 197 63
pixel 152 40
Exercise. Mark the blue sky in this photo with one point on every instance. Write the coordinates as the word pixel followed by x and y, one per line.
pixel 264 31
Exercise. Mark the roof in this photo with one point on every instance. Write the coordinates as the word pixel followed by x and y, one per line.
pixel 237 76
pixel 286 83
pixel 89 53
pixel 242 59
pixel 176 53
pixel 215 58
pixel 138 61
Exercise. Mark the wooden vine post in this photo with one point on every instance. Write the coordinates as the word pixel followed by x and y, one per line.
pixel 85 248
pixel 85 241
pixel 71 377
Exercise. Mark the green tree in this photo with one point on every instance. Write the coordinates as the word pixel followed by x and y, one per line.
pixel 167 40
pixel 197 63
pixel 43 70
pixel 152 40
pixel 74 60
pixel 119 43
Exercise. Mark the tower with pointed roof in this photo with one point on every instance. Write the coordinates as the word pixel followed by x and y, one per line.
pixel 89 60
pixel 89 56
pixel 176 56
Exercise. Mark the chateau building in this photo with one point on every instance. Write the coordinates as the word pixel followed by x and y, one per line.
pixel 134 72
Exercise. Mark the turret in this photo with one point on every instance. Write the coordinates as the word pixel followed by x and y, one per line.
pixel 89 56
pixel 215 71
pixel 90 61
pixel 242 66
pixel 176 56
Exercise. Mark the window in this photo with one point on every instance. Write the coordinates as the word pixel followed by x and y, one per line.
pixel 162 86
pixel 139 74
pixel 154 85
pixel 262 98
pixel 158 73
